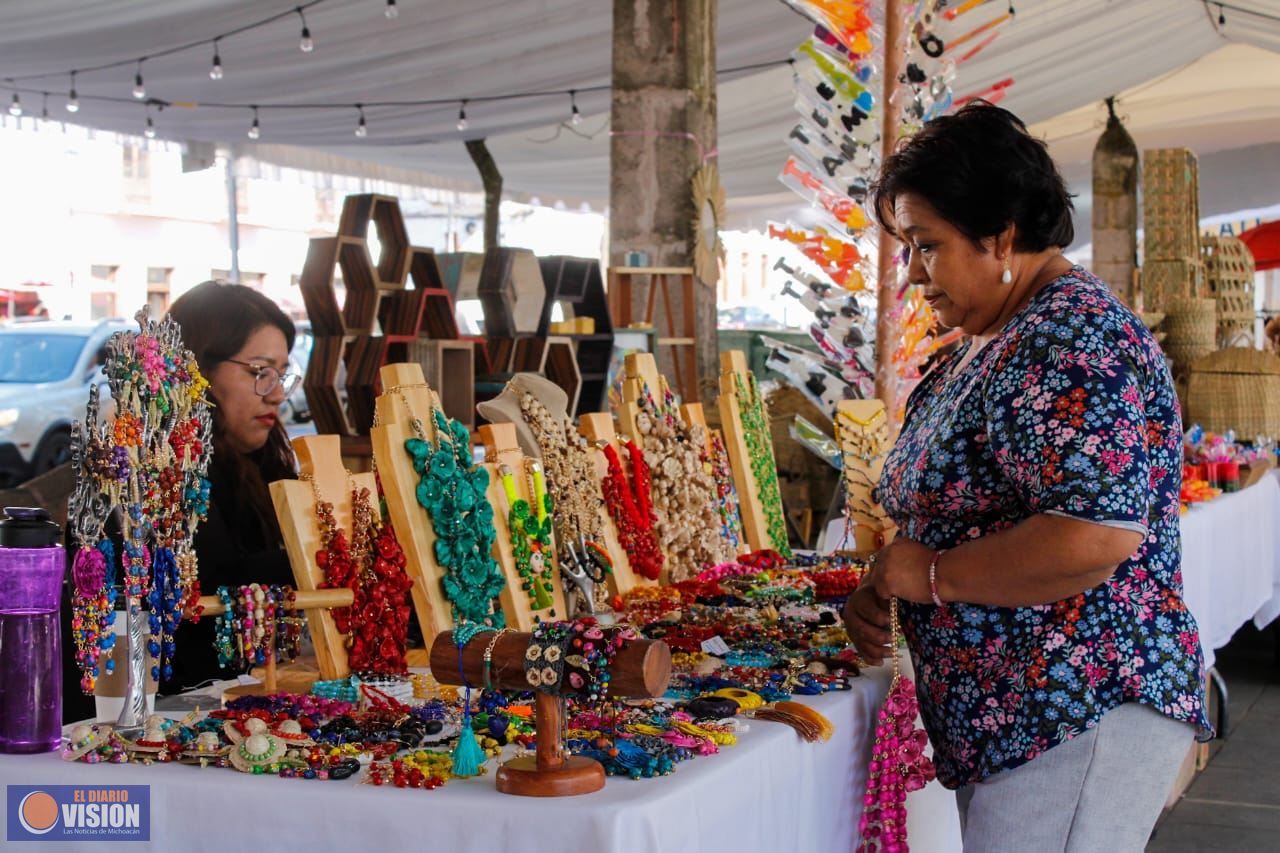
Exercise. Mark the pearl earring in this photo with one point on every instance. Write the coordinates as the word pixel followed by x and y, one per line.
pixel 1006 277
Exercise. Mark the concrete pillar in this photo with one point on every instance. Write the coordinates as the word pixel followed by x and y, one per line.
pixel 663 128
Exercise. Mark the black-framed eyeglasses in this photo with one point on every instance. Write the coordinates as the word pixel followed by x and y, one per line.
pixel 266 378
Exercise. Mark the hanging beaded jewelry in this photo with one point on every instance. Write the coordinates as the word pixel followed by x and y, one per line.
pixel 631 508
pixel 453 491
pixel 898 763
pixel 862 447
pixel 530 528
pixel 726 491
pixel 755 429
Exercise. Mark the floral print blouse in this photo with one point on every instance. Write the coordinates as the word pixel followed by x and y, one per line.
pixel 1070 411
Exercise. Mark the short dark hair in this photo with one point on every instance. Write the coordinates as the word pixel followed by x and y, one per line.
pixel 981 170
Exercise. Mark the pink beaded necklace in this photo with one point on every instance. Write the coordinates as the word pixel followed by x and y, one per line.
pixel 898 763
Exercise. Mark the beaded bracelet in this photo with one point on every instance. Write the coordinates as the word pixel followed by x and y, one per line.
pixel 225 629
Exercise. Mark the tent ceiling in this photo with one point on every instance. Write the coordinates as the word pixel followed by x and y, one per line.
pixel 1164 58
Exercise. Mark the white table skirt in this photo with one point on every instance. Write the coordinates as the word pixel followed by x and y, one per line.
pixel 1231 562
pixel 770 792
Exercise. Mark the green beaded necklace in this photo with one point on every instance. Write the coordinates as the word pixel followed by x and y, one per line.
pixel 531 535
pixel 763 467
pixel 453 491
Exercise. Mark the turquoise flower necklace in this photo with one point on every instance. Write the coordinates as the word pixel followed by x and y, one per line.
pixel 453 491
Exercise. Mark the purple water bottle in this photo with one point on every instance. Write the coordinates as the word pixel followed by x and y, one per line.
pixel 32 565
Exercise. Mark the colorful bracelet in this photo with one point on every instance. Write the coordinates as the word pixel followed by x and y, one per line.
pixel 933 578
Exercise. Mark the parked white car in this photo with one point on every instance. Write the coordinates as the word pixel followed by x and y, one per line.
pixel 46 370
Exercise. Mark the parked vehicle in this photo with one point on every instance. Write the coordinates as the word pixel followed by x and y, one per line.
pixel 46 370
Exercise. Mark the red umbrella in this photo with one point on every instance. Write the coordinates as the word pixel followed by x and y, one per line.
pixel 1264 242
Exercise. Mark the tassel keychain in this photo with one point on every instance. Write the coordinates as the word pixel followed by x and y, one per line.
pixel 898 763
pixel 467 754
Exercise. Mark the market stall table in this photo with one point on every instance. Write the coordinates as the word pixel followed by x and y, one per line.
pixel 770 791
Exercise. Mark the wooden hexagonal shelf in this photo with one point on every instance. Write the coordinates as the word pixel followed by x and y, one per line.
pixel 427 309
pixel 393 239
pixel 351 255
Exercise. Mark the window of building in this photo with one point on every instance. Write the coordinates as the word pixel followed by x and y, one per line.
pixel 158 282
pixel 104 273
pixel 137 162
pixel 102 304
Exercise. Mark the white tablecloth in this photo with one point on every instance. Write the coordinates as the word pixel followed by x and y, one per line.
pixel 770 792
pixel 1231 562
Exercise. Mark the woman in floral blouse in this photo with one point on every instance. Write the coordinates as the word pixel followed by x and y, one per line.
pixel 1035 487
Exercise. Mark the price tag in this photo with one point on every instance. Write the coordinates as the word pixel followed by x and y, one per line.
pixel 715 646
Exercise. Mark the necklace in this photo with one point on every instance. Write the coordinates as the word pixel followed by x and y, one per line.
pixel 726 493
pixel 862 447
pixel 578 501
pixel 759 443
pixel 631 508
pixel 530 529
pixel 453 492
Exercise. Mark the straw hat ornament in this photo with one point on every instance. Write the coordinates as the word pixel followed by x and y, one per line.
pixel 257 752
pixel 236 732
pixel 207 748
pixel 290 731
pixel 81 741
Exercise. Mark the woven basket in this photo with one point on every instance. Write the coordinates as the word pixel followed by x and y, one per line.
pixel 1229 271
pixel 1189 326
pixel 1236 389
pixel 1170 204
pixel 1165 281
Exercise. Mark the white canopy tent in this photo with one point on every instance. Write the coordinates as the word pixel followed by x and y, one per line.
pixel 1180 77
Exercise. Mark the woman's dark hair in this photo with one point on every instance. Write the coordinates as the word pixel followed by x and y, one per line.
pixel 217 319
pixel 981 170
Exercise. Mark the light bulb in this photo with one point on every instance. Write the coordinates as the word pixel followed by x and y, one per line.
pixel 306 45
pixel 215 73
pixel 15 109
pixel 362 129
pixel 462 118
pixel 150 132
pixel 576 118
pixel 73 103
pixel 392 10
pixel 139 90
pixel 254 129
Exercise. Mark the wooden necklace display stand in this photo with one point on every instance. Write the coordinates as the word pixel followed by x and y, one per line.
pixel 502 448
pixel 755 523
pixel 597 428
pixel 694 415
pixel 406 398
pixel 863 433
pixel 640 669
pixel 319 458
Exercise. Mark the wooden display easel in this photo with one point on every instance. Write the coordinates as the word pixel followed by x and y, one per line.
pixel 678 333
pixel 755 523
pixel 320 457
pixel 400 486
pixel 695 415
pixel 597 428
pixel 640 669
pixel 502 448
pixel 640 369
pixel 872 529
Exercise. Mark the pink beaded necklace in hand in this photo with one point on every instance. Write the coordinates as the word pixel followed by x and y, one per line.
pixel 898 763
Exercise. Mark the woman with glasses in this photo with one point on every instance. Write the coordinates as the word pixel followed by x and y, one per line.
pixel 241 340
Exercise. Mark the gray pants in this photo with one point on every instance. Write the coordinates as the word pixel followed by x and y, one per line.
pixel 1100 791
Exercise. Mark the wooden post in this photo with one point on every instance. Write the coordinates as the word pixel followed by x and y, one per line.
pixel 641 669
pixel 886 280
pixel 320 457
pixel 663 122
pixel 502 449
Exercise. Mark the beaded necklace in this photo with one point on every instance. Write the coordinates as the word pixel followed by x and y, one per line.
pixel 453 491
pixel 578 500
pixel 764 468
pixel 726 493
pixel 898 763
pixel 862 446
pixel 631 508
pixel 531 535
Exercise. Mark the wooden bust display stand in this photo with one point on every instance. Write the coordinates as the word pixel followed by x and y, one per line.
pixel 755 523
pixel 694 415
pixel 862 431
pixel 597 428
pixel 639 370
pixel 502 448
pixel 320 457
pixel 396 411
pixel 640 669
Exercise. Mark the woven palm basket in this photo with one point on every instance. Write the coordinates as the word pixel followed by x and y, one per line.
pixel 1236 389
pixel 1189 326
pixel 1228 266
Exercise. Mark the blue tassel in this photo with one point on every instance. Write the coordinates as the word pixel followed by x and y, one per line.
pixel 467 754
